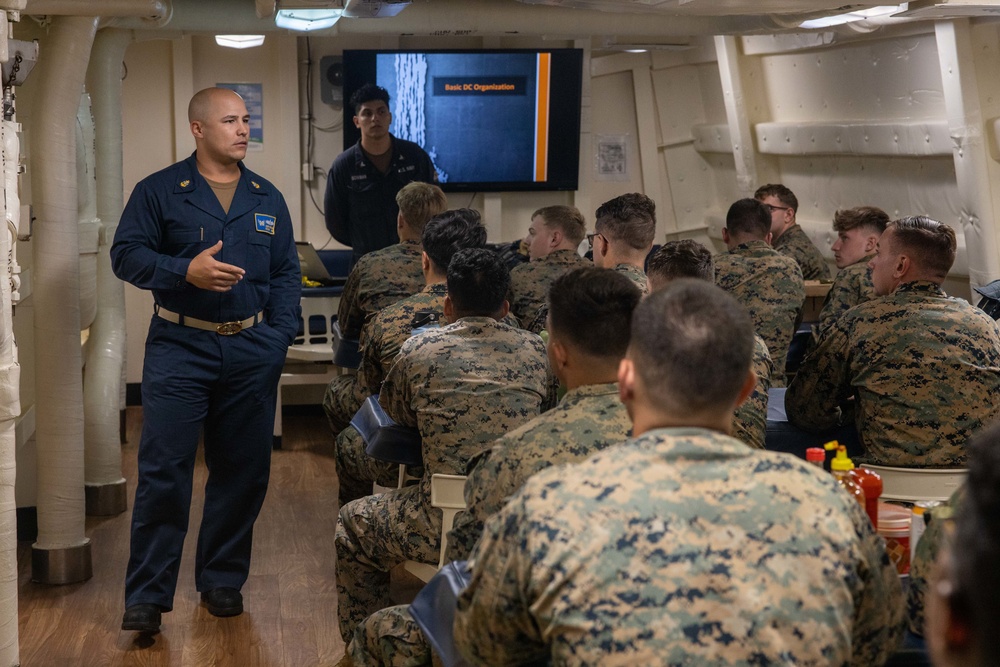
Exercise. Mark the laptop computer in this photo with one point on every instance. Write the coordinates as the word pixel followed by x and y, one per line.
pixel 313 268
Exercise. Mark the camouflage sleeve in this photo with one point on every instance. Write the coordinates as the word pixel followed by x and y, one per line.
pixel 349 313
pixel 924 557
pixel 395 395
pixel 369 376
pixel 821 384
pixel 879 613
pixel 493 620
pixel 468 524
pixel 842 296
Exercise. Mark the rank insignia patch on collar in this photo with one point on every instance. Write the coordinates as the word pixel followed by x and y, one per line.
pixel 255 184
pixel 264 223
pixel 184 183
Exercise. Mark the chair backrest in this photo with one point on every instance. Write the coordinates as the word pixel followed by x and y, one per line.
pixel 916 484
pixel 448 495
pixel 314 342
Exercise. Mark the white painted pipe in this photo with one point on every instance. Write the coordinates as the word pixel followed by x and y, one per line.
pixel 59 401
pixel 103 388
pixel 10 408
pixel 86 204
pixel 151 9
pixel 469 17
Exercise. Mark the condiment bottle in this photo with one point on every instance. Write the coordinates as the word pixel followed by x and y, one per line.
pixel 841 467
pixel 871 482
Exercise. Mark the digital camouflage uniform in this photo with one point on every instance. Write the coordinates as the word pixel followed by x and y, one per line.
pixel 379 279
pixel 529 283
pixel 588 419
pixel 381 340
pixel 681 547
pixel 462 386
pixel 923 369
pixel 924 557
pixel 795 243
pixel 770 287
pixel 635 274
pixel 750 419
pixel 853 285
pixel 378 346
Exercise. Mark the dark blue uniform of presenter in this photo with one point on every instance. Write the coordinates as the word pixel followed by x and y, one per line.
pixel 213 241
pixel 360 200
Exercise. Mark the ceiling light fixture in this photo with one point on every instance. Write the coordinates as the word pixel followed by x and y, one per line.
pixel 307 19
pixel 239 41
pixel 859 15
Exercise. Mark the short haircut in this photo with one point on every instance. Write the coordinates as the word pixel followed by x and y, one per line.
pixel 447 233
pixel 870 218
pixel 931 243
pixel 976 549
pixel 368 93
pixel 592 309
pixel 784 195
pixel 692 346
pixel 566 219
pixel 478 282
pixel 748 217
pixel 418 202
pixel 629 218
pixel 201 102
pixel 682 259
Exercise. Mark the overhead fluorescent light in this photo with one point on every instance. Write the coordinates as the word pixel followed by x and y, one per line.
pixel 307 19
pixel 239 41
pixel 859 15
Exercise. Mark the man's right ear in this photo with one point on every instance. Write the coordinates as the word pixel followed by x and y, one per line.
pixel 725 235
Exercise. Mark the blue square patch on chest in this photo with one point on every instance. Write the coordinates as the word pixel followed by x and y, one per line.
pixel 264 223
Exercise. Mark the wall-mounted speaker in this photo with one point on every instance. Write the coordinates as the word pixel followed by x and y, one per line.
pixel 331 80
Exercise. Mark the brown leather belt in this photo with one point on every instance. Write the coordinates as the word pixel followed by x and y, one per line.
pixel 221 328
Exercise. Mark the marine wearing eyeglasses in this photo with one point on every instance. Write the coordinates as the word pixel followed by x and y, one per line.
pixel 787 237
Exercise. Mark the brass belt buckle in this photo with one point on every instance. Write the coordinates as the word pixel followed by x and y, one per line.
pixel 228 328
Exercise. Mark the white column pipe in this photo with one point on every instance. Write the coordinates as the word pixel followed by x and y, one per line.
pixel 59 400
pixel 103 388
pixel 10 406
pixel 86 204
pixel 153 9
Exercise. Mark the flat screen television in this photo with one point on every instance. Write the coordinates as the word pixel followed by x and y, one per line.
pixel 492 120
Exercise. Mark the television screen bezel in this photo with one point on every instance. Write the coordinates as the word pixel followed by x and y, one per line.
pixel 564 126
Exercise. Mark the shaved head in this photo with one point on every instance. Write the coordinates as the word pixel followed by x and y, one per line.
pixel 200 105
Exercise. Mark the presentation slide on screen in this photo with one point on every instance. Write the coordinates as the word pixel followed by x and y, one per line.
pixel 480 117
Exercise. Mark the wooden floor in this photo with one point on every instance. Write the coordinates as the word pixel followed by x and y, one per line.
pixel 290 597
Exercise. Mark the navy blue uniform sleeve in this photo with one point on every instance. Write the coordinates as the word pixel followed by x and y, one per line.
pixel 283 304
pixel 135 253
pixel 335 203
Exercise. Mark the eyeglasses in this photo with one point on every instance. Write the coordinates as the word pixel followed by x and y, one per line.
pixel 590 238
pixel 772 208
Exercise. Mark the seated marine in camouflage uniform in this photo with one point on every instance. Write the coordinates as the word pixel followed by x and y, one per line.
pixel 922 368
pixel 690 259
pixel 858 231
pixel 553 238
pixel 462 386
pixel 768 284
pixel 385 276
pixel 787 237
pixel 590 320
pixel 682 545
pixel 444 235
pixel 624 229
pixel 962 625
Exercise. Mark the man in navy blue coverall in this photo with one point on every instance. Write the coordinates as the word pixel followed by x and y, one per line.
pixel 213 241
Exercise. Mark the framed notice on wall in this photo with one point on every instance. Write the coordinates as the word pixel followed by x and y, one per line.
pixel 253 95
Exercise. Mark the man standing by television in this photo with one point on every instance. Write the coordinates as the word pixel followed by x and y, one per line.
pixel 361 188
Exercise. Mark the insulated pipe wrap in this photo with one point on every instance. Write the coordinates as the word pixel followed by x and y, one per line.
pixel 10 408
pixel 104 383
pixel 59 401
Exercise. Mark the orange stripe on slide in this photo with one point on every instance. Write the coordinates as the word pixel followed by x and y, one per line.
pixel 542 118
